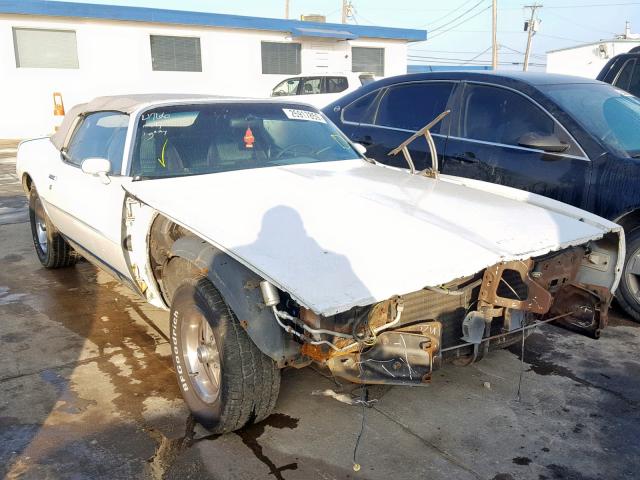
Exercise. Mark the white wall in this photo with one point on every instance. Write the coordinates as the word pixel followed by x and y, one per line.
pixel 587 60
pixel 115 58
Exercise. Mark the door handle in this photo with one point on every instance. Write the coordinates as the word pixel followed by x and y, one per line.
pixel 366 141
pixel 52 177
pixel 468 157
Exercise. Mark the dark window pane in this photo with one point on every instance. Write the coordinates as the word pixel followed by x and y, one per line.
pixel 99 135
pixel 624 77
pixel 280 58
pixel 501 116
pixel 360 111
pixel 634 84
pixel 175 54
pixel 336 84
pixel 412 106
pixel 365 59
pixel 287 87
pixel 311 86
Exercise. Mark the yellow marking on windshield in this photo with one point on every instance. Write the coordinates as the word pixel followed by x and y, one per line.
pixel 161 159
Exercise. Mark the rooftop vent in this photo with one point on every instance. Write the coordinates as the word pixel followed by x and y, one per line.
pixel 313 17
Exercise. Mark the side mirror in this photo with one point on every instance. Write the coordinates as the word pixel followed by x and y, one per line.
pixel 97 167
pixel 361 149
pixel 548 143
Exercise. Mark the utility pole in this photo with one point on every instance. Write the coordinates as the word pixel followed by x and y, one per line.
pixel 286 8
pixel 345 7
pixel 494 34
pixel 531 27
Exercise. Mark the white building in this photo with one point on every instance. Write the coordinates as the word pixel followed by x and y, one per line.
pixel 87 50
pixel 588 59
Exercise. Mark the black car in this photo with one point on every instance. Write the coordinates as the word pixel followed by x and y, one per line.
pixel 623 71
pixel 573 139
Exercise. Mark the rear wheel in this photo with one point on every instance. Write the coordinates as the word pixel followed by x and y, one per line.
pixel 628 294
pixel 225 380
pixel 52 249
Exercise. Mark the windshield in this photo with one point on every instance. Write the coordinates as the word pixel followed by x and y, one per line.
pixel 611 115
pixel 197 139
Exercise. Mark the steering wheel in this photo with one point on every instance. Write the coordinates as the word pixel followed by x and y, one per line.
pixel 294 147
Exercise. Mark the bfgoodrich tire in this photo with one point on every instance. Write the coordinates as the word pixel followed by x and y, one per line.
pixel 225 380
pixel 628 295
pixel 52 249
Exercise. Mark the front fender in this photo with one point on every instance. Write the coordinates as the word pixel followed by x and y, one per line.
pixel 240 287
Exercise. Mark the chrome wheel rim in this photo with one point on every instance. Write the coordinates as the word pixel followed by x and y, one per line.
pixel 201 356
pixel 632 274
pixel 41 227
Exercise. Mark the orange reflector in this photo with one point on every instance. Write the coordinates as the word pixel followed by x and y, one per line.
pixel 58 105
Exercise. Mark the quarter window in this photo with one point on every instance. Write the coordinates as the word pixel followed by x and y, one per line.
pixel 39 48
pixel 99 135
pixel 367 59
pixel 281 58
pixel 175 54
pixel 497 115
pixel 413 105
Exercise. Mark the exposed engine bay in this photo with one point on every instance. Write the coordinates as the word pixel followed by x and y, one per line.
pixel 402 340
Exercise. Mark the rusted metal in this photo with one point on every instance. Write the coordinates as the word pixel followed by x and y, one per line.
pixel 538 299
pixel 406 356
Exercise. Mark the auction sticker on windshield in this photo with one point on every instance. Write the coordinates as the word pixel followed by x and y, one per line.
pixel 294 114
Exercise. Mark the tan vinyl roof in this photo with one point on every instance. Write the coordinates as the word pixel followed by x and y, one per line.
pixel 116 103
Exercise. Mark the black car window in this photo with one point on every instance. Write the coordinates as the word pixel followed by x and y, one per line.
pixel 311 86
pixel 634 83
pixel 411 106
pixel 99 135
pixel 623 80
pixel 498 115
pixel 336 84
pixel 361 111
pixel 286 87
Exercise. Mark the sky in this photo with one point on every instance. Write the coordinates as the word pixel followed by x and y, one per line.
pixel 459 30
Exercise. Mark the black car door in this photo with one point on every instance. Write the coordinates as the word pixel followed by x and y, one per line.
pixel 389 116
pixel 490 140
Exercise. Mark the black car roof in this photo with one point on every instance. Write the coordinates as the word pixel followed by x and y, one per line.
pixel 506 77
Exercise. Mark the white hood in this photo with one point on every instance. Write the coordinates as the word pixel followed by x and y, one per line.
pixel 339 234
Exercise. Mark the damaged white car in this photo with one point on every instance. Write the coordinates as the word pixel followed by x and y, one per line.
pixel 275 242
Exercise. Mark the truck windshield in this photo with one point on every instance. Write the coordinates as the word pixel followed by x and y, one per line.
pixel 611 115
pixel 198 139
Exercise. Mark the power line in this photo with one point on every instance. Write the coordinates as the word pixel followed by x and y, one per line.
pixel 581 25
pixel 461 23
pixel 457 18
pixel 464 4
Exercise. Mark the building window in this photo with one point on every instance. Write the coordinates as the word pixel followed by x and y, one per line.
pixel 365 59
pixel 281 58
pixel 39 48
pixel 175 54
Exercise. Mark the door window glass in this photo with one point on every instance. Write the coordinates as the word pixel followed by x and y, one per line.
pixel 361 111
pixel 310 86
pixel 288 87
pixel 634 84
pixel 336 84
pixel 624 77
pixel 413 105
pixel 497 115
pixel 100 135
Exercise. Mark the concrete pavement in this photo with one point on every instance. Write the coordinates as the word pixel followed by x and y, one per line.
pixel 87 391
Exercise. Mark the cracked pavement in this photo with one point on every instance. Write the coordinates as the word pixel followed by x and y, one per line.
pixel 87 391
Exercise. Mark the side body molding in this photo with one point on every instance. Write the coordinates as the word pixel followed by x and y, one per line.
pixel 240 287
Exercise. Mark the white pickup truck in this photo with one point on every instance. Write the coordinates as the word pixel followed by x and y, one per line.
pixel 275 242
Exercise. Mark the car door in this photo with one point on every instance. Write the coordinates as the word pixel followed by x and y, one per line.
pixel 87 209
pixel 395 114
pixel 486 143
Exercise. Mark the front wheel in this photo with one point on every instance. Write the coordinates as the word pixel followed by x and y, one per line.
pixel 52 249
pixel 225 380
pixel 628 294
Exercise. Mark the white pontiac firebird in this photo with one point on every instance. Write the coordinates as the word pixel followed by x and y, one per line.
pixel 275 242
